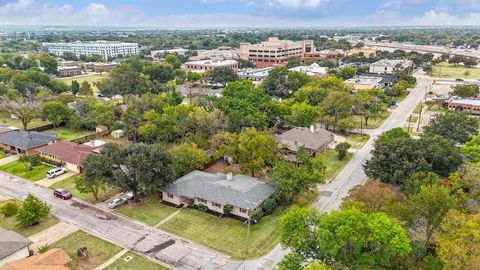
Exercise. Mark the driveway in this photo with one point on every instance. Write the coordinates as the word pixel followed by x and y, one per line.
pixel 123 231
pixel 46 182
pixel 51 235
pixel 9 159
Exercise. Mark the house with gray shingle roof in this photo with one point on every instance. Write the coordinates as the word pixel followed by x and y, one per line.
pixel 244 193
pixel 13 246
pixel 21 141
pixel 313 139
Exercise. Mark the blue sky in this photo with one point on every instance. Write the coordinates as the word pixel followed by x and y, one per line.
pixel 240 13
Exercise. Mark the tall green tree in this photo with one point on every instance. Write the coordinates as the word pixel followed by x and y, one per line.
pixel 455 125
pixel 75 88
pixel 33 210
pixel 187 157
pixel 354 239
pixel 49 64
pixel 56 112
pixel 90 185
pixel 303 115
pixel 337 105
pixel 253 150
pixel 222 75
pixel 85 89
pixel 22 108
pixel 465 91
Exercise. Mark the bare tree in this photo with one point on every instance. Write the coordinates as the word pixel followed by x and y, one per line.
pixel 22 108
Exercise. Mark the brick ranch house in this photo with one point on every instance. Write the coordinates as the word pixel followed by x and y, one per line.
pixel 25 142
pixel 244 193
pixel 71 155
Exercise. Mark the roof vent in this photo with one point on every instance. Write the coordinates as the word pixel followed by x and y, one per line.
pixel 312 128
pixel 229 176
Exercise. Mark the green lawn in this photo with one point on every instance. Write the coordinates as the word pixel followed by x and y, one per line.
pixel 373 122
pixel 357 140
pixel 69 184
pixel 68 134
pixel 2 155
pixel 332 164
pixel 446 70
pixel 150 212
pixel 99 251
pixel 137 262
pixel 9 224
pixel 5 119
pixel 225 234
pixel 418 108
pixel 91 78
pixel 18 168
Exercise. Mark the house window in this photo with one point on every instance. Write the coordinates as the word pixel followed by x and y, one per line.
pixel 200 200
pixel 169 195
pixel 243 210
pixel 216 205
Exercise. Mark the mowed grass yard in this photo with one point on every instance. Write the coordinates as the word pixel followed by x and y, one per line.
pixel 5 119
pixel 69 134
pixel 333 166
pixel 150 212
pixel 446 70
pixel 137 262
pixel 9 223
pixel 226 234
pixel 91 78
pixel 2 155
pixel 357 140
pixel 69 184
pixel 19 169
pixel 99 251
pixel 373 122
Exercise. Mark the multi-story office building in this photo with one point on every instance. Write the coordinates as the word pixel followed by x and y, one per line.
pixel 203 66
pixel 275 52
pixel 107 49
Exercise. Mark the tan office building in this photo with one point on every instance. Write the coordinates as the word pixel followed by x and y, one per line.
pixel 275 52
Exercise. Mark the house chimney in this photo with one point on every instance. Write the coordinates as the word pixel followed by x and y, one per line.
pixel 229 176
pixel 312 128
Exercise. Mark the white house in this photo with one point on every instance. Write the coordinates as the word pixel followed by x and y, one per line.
pixel 13 246
pixel 244 193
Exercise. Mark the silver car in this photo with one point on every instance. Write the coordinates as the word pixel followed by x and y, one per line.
pixel 116 203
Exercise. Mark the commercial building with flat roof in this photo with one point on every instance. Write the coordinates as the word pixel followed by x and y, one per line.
pixel 203 66
pixel 468 105
pixel 388 66
pixel 275 52
pixel 106 49
pixel 364 82
pixel 311 70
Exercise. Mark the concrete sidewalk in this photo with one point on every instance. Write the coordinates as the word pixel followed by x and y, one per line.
pixel 9 159
pixel 46 182
pixel 51 235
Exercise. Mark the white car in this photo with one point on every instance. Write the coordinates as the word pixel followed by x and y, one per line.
pixel 116 203
pixel 56 172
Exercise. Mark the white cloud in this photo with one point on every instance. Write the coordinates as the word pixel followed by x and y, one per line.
pixel 297 4
pixel 433 17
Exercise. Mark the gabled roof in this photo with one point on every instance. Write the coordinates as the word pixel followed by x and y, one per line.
pixel 241 191
pixel 27 139
pixel 11 242
pixel 67 151
pixel 302 136
pixel 53 259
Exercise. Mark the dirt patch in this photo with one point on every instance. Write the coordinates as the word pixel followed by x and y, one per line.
pixel 223 167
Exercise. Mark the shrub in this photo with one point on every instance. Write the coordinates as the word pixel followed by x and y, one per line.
pixel 43 249
pixel 257 215
pixel 202 207
pixel 227 209
pixel 270 204
pixel 9 209
pixel 342 149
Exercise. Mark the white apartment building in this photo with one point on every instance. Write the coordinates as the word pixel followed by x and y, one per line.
pixel 387 66
pixel 106 49
pixel 275 52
